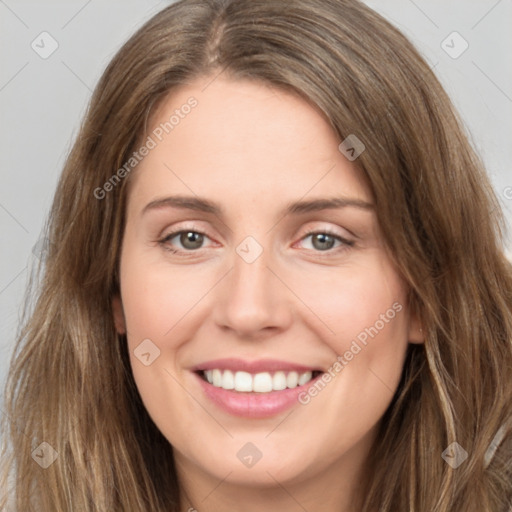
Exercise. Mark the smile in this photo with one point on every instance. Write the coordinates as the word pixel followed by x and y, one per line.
pixel 254 389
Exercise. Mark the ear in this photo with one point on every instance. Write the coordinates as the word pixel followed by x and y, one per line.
pixel 117 311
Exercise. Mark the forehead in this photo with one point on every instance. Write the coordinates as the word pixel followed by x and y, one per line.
pixel 243 140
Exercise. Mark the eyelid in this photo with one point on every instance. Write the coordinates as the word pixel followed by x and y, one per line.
pixel 328 230
pixel 171 232
pixel 174 234
pixel 179 230
pixel 345 243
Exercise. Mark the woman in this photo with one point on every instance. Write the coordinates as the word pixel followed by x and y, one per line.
pixel 276 281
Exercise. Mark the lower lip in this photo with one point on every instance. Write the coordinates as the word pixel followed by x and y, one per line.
pixel 253 405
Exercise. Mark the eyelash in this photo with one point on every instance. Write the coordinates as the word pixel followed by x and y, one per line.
pixel 346 244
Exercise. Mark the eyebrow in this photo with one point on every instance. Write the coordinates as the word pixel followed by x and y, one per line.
pixel 294 208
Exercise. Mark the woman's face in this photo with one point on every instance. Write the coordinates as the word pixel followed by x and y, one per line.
pixel 252 259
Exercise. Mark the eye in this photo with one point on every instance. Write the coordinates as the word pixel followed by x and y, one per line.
pixel 188 239
pixel 326 241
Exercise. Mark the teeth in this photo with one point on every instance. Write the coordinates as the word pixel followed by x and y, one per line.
pixel 292 379
pixel 228 380
pixel 305 377
pixel 243 381
pixel 279 381
pixel 264 382
pixel 217 378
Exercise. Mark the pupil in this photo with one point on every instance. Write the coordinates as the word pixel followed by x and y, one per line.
pixel 325 241
pixel 191 240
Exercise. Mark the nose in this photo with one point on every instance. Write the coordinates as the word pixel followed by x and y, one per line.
pixel 252 301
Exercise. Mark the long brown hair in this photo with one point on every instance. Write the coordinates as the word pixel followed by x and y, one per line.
pixel 70 383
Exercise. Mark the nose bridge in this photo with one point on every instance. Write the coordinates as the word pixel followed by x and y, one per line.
pixel 250 279
pixel 253 298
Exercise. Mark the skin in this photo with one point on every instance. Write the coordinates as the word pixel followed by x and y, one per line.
pixel 254 149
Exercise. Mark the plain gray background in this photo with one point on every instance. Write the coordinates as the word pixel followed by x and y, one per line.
pixel 42 100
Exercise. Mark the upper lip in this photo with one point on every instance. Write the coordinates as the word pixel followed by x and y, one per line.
pixel 257 366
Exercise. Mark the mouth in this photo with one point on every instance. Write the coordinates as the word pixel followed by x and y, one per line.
pixel 261 382
pixel 257 389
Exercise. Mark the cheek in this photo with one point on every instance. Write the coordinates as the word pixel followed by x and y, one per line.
pixel 155 299
pixel 365 324
pixel 158 304
pixel 357 302
pixel 371 319
pixel 365 308
pixel 163 308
